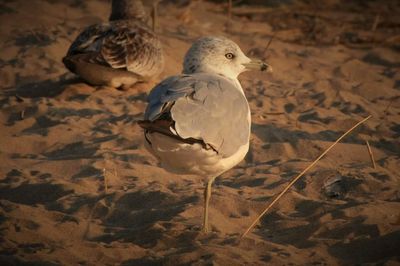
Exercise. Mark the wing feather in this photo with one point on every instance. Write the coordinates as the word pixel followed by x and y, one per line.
pixel 121 44
pixel 204 107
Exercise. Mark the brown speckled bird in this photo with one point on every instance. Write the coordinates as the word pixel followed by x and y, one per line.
pixel 119 53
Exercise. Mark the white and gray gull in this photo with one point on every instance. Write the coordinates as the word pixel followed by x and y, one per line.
pixel 119 53
pixel 199 122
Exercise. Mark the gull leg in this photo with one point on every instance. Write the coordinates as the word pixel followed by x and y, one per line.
pixel 207 196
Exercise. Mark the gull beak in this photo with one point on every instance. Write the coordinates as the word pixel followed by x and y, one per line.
pixel 256 64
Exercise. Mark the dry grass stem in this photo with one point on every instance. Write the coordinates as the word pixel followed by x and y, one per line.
pixel 371 155
pixel 274 113
pixel 89 220
pixel 19 98
pixel 229 10
pixel 376 22
pixel 103 194
pixel 115 173
pixel 269 43
pixel 105 180
pixel 300 175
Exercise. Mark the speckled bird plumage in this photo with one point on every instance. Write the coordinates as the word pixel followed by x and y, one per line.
pixel 124 47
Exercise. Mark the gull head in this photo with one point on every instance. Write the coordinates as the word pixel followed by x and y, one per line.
pixel 219 55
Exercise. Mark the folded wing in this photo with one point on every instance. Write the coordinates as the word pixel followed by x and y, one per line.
pixel 204 107
pixel 120 45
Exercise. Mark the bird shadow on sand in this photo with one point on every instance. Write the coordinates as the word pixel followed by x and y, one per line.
pixel 366 244
pixel 310 231
pixel 44 88
pixel 355 240
pixel 270 133
pixel 140 217
pixel 32 188
pixel 368 250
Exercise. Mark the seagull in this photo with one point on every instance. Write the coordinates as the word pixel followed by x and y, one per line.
pixel 198 123
pixel 119 53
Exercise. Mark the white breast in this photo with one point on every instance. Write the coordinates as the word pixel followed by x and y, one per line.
pixel 183 158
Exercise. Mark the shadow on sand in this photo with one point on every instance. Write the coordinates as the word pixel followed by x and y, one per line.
pixel 44 88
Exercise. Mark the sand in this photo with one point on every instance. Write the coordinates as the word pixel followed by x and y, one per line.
pixel 77 186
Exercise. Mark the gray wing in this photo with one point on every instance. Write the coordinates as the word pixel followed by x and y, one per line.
pixel 204 107
pixel 119 44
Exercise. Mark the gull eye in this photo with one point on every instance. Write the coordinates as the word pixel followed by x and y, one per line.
pixel 230 56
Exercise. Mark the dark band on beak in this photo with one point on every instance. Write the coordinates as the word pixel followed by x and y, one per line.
pixel 256 64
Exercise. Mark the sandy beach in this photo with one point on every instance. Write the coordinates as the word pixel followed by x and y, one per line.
pixel 78 187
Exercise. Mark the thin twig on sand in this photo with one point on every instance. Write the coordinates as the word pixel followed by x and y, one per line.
pixel 300 175
pixel 269 42
pixel 90 216
pixel 376 22
pixel 274 113
pixel 101 196
pixel 89 220
pixel 229 10
pixel 105 180
pixel 371 155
